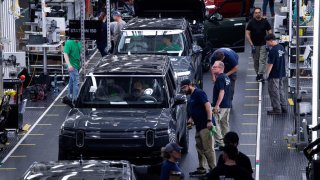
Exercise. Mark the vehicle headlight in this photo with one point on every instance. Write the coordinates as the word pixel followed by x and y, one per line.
pixel 162 132
pixel 184 73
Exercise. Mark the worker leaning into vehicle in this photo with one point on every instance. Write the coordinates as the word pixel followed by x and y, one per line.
pixel 72 52
pixel 230 60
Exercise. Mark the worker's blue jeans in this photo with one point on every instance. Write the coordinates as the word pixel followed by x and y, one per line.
pixel 73 86
pixel 271 6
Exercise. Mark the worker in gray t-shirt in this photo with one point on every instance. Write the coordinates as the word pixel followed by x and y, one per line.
pixel 119 23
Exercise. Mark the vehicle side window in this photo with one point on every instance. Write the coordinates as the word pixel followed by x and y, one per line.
pixel 189 36
pixel 171 76
pixel 170 86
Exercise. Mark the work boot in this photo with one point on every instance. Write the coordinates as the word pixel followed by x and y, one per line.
pixel 198 172
pixel 260 78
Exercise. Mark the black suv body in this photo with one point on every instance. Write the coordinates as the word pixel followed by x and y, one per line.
pixel 211 30
pixel 128 107
pixel 148 36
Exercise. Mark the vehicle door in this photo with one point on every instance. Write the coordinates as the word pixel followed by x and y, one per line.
pixel 179 112
pixel 226 32
pixel 194 51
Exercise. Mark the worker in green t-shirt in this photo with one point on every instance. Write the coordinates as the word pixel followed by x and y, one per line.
pixel 168 45
pixel 72 52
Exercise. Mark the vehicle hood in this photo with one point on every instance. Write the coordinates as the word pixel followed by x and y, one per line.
pixel 189 9
pixel 118 119
pixel 93 170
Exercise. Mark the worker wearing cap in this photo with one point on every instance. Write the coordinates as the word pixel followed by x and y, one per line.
pixel 201 115
pixel 171 153
pixel 119 23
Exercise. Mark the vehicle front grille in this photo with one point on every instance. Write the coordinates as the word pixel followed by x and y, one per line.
pixel 150 134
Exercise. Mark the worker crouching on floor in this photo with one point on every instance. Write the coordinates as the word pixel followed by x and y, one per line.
pixel 201 115
pixel 221 101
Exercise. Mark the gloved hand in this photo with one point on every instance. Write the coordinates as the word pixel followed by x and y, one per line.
pixel 253 49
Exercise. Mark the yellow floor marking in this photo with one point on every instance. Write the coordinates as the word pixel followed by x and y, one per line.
pixel 21 156
pixel 44 124
pixel 249 124
pixel 290 101
pixel 248 144
pixel 27 144
pixel 249 134
pixel 52 115
pixel 26 127
pixel 250 114
pixel 251 96
pixel 252 89
pixel 250 105
pixel 252 82
pixel 5 169
pixel 60 105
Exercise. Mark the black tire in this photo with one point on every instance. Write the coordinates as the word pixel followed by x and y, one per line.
pixel 63 155
pixel 205 67
pixel 3 138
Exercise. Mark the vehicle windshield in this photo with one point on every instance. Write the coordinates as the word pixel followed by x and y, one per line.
pixel 123 91
pixel 168 42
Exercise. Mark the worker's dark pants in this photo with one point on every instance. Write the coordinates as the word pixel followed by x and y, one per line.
pixel 277 94
pixel 271 6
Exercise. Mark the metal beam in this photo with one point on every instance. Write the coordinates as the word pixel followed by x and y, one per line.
pixel 297 123
pixel 83 39
pixel 315 69
pixel 108 9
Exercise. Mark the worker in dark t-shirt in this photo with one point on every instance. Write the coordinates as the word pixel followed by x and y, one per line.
pixel 221 101
pixel 276 71
pixel 256 31
pixel 229 169
pixel 232 138
pixel 230 60
pixel 201 115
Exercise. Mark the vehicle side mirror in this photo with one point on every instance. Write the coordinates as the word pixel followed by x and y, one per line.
pixel 216 17
pixel 66 100
pixel 180 99
pixel 196 49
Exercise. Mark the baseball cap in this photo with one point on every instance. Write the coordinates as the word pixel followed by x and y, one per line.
pixel 185 82
pixel 116 13
pixel 231 151
pixel 172 147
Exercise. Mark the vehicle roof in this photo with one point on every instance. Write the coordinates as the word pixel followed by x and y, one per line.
pixel 155 24
pixel 132 65
pixel 89 169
